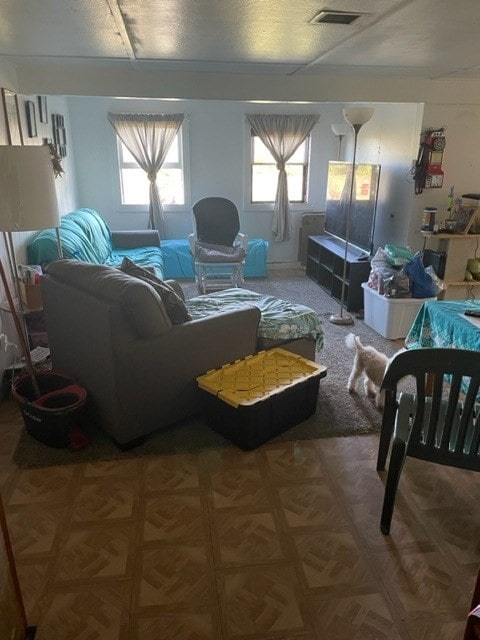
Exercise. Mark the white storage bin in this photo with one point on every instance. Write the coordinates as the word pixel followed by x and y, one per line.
pixel 390 317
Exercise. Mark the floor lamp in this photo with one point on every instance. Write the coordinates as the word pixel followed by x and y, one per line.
pixel 356 117
pixel 340 130
pixel 28 200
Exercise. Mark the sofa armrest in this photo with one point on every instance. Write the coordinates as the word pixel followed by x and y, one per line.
pixel 135 239
pixel 198 346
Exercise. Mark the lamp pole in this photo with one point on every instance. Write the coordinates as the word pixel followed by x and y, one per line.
pixel 356 117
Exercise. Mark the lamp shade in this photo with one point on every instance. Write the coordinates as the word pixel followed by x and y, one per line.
pixel 358 115
pixel 28 200
pixel 340 129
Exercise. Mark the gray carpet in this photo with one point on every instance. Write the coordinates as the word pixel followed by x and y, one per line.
pixel 338 412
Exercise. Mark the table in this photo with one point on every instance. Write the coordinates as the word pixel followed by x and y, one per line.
pixel 441 323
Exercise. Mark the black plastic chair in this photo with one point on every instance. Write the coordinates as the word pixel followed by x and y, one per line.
pixel 218 248
pixel 438 423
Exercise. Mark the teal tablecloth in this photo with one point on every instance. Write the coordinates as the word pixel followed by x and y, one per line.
pixel 441 323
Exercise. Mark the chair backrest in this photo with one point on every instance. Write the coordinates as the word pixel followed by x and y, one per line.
pixel 444 423
pixel 216 220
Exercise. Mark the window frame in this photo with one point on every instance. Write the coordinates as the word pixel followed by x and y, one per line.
pixel 184 162
pixel 248 173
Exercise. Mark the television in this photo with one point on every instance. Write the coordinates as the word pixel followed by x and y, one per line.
pixel 364 203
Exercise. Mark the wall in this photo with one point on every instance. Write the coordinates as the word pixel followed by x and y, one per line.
pixel 217 142
pixel 145 79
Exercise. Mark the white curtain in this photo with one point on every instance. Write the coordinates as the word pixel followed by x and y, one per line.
pixel 282 135
pixel 148 137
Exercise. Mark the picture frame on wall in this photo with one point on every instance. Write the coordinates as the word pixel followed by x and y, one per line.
pixel 42 109
pixel 464 215
pixel 59 134
pixel 3 128
pixel 31 118
pixel 11 113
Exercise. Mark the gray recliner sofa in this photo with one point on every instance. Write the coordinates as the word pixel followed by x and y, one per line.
pixel 112 333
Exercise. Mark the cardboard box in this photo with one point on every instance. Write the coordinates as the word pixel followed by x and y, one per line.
pixel 31 295
pixel 390 317
pixel 254 399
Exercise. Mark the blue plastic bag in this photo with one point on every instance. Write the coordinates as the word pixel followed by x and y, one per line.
pixel 422 283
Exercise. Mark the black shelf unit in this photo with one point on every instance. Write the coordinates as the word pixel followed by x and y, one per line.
pixel 325 260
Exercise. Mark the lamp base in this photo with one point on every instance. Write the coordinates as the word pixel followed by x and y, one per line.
pixel 336 318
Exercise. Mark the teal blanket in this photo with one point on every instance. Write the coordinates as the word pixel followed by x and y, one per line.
pixel 281 320
pixel 85 236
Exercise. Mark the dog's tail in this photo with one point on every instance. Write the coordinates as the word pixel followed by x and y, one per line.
pixel 353 342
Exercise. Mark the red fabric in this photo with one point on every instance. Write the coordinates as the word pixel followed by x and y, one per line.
pixel 472 630
pixel 78 440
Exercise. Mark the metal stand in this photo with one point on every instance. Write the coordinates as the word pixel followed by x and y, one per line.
pixel 342 318
pixel 59 242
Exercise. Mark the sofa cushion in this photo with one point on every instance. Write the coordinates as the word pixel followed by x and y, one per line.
pixel 143 256
pixel 175 306
pixel 205 252
pixel 141 303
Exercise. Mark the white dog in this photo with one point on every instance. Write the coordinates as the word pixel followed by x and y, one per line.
pixel 372 364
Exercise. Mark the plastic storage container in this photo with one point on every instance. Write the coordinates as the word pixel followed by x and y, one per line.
pixel 428 218
pixel 390 317
pixel 252 400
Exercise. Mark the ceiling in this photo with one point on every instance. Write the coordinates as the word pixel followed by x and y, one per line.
pixel 429 39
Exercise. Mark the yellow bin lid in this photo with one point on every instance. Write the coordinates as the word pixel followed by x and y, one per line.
pixel 257 377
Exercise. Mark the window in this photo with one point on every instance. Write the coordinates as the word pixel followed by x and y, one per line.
pixel 265 172
pixel 134 183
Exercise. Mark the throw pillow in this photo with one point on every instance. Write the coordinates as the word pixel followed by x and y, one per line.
pixel 174 305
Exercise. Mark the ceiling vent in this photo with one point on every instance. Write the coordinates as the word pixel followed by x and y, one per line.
pixel 335 17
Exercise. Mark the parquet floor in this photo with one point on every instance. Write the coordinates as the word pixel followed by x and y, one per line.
pixel 282 542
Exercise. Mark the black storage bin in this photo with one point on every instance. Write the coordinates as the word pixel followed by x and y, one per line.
pixel 255 399
pixel 60 407
pixel 251 426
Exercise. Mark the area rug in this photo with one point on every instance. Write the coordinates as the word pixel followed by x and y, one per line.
pixel 338 413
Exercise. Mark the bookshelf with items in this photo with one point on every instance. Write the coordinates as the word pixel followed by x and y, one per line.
pixel 458 248
pixel 325 265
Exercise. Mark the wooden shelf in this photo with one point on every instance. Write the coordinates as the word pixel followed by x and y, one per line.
pixel 462 283
pixel 325 263
pixel 457 254
pixel 450 236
